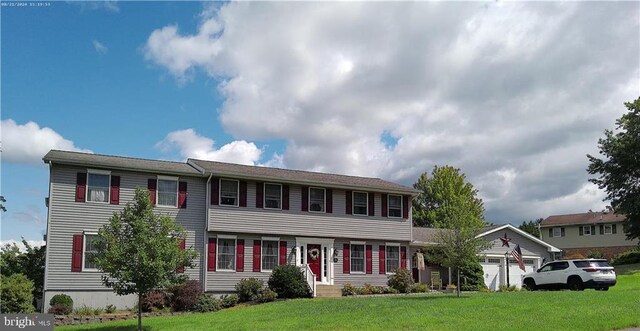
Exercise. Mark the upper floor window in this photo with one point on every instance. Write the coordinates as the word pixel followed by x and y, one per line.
pixel 357 258
pixel 90 251
pixel 608 229
pixel 586 230
pixel 316 199
pixel 226 254
pixel 395 205
pixel 272 196
pixel 269 254
pixel 558 232
pixel 98 185
pixel 360 203
pixel 167 191
pixel 229 192
pixel 393 258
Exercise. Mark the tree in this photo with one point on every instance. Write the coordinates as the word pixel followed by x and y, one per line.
pixel 619 170
pixel 30 263
pixel 139 251
pixel 444 194
pixel 531 227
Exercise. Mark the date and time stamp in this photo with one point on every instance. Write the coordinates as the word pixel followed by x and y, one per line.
pixel 25 4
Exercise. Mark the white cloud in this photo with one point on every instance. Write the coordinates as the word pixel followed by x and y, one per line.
pixel 28 143
pixel 192 145
pixel 21 246
pixel 110 6
pixel 515 94
pixel 31 214
pixel 99 47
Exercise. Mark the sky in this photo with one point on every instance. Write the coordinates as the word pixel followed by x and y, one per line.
pixel 515 94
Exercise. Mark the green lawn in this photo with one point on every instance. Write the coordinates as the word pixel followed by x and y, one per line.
pixel 541 310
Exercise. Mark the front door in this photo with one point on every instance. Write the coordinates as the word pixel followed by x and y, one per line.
pixel 314 258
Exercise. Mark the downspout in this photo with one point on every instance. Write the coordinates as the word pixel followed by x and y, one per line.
pixel 206 236
pixel 46 252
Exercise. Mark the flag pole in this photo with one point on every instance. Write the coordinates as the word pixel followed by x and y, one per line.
pixel 506 259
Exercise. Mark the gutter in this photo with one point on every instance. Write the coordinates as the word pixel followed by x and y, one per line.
pixel 205 258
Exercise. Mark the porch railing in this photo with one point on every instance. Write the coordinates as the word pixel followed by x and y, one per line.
pixel 311 278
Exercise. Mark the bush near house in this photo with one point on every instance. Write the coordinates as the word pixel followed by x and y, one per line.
pixel 154 300
pixel 17 295
pixel 595 255
pixel 267 295
pixel 228 301
pixel 402 281
pixel 289 282
pixel 249 289
pixel 628 257
pixel 471 276
pixel 185 296
pixel 207 303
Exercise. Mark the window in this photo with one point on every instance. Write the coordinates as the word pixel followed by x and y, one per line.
pixel 269 254
pixel 393 258
pixel 395 205
pixel 272 196
pixel 229 192
pixel 90 251
pixel 493 260
pixel 226 254
pixel 557 232
pixel 357 258
pixel 586 230
pixel 608 229
pixel 98 186
pixel 528 261
pixel 360 203
pixel 167 191
pixel 316 199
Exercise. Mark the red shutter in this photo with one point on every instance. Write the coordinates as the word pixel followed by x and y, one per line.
pixel 285 197
pixel 257 246
pixel 349 196
pixel 151 185
pixel 403 257
pixel 211 255
pixel 372 204
pixel 305 198
pixel 240 255
pixel 182 195
pixel 215 191
pixel 385 204
pixel 381 259
pixel 243 193
pixel 329 199
pixel 259 195
pixel 346 259
pixel 182 245
pixel 115 190
pixel 283 253
pixel 81 186
pixel 405 206
pixel 76 253
pixel 369 257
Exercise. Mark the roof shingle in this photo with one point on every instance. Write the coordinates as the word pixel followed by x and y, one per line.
pixel 583 218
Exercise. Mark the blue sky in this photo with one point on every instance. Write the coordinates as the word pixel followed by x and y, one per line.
pixel 515 94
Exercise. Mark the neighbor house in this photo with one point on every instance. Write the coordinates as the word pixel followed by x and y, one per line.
pixel 581 234
pixel 242 220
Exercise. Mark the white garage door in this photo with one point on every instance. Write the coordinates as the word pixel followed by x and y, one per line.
pixel 515 273
pixel 491 268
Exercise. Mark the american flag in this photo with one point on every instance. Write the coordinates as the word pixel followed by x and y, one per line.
pixel 517 254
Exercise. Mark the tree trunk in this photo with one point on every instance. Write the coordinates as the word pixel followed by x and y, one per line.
pixel 139 311
pixel 458 281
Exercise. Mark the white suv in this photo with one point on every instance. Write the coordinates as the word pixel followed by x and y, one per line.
pixel 575 275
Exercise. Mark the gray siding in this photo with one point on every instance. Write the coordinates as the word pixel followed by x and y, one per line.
pixel 295 222
pixel 375 278
pixel 573 239
pixel 68 217
pixel 527 246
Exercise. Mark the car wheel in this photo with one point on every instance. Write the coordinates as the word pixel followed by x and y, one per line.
pixel 605 289
pixel 530 284
pixel 575 284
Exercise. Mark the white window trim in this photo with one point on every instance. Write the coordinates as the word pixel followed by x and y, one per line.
pixel 237 192
pixel 584 230
pixel 610 229
pixel 84 249
pixel 167 178
pixel 388 208
pixel 553 232
pixel 262 251
pixel 235 252
pixel 386 254
pixel 353 203
pixel 364 251
pixel 99 172
pixel 264 196
pixel 324 206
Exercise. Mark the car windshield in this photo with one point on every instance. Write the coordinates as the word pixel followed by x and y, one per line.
pixel 592 264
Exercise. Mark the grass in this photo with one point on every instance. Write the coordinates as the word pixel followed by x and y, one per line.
pixel 558 310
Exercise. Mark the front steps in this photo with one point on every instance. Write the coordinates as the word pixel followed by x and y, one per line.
pixel 328 291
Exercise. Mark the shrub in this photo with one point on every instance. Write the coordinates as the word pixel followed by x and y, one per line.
pixel 289 282
pixel 59 309
pixel 154 300
pixel 402 281
pixel 370 289
pixel 228 301
pixel 485 290
pixel 98 311
pixel 471 276
pixel 267 295
pixel 249 289
pixel 628 257
pixel 185 296
pixel 420 288
pixel 390 290
pixel 207 303
pixel 110 309
pixel 16 294
pixel 348 289
pixel 62 299
pixel 505 288
pixel 83 311
pixel 595 255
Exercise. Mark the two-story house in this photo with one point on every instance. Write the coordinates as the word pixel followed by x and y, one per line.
pixel 580 234
pixel 243 221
